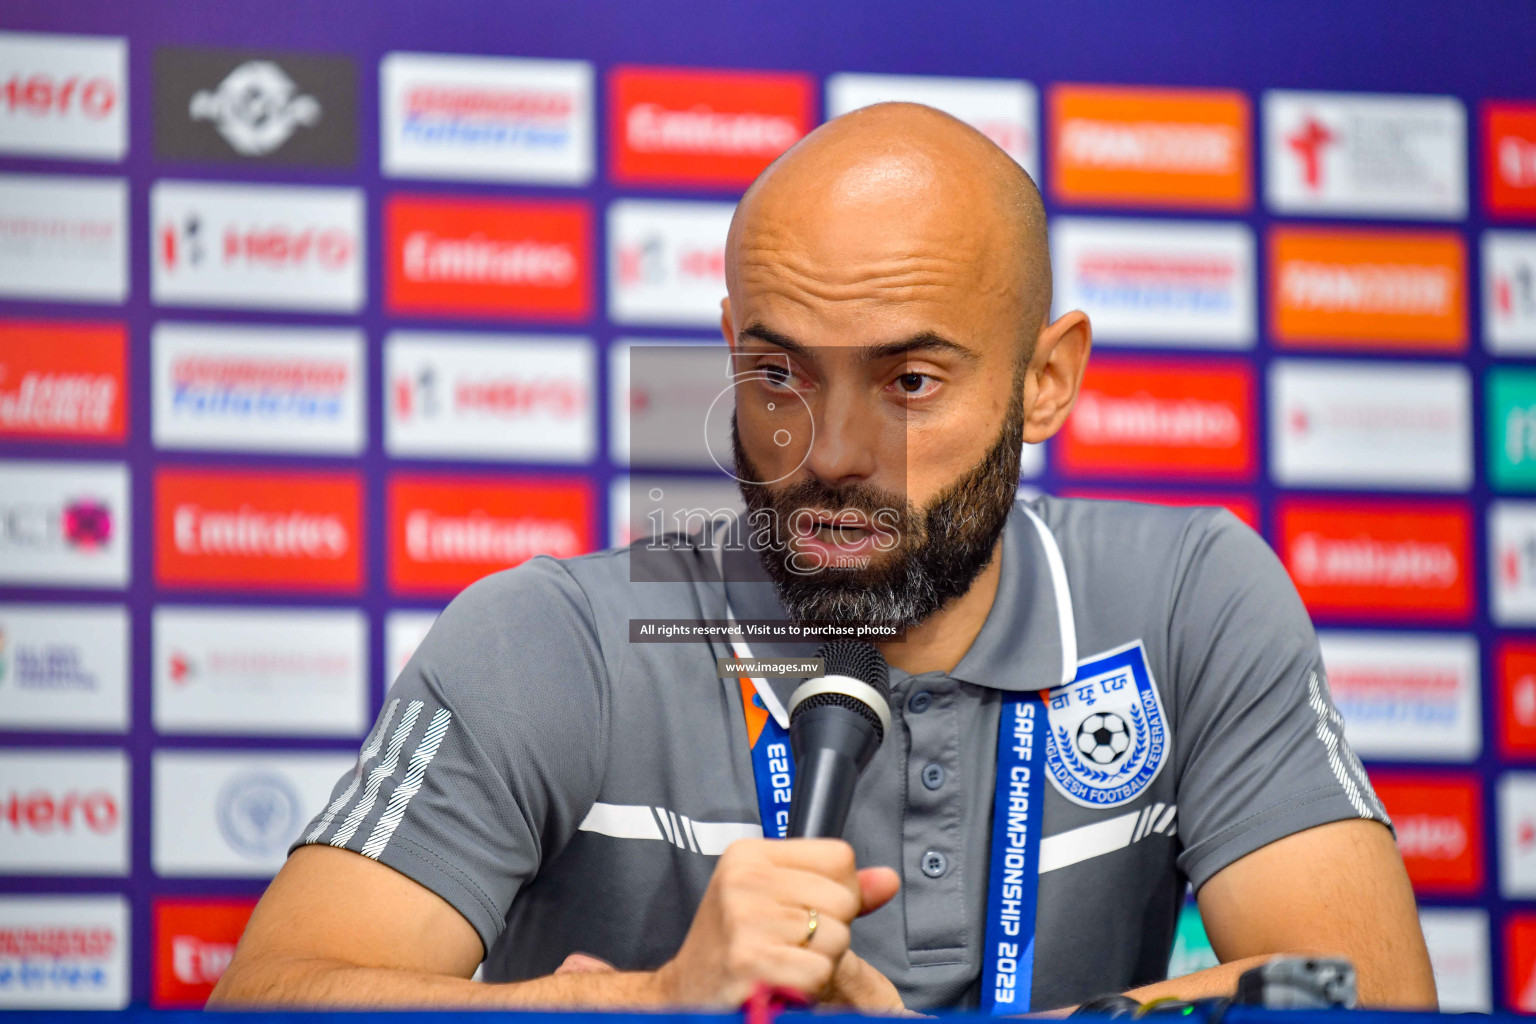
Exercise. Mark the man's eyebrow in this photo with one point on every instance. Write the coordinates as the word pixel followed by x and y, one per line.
pixel 925 341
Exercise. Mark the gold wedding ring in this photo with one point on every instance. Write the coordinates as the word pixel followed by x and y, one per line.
pixel 810 926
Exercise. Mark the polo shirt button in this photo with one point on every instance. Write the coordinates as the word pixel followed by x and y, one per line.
pixel 919 701
pixel 935 864
pixel 933 776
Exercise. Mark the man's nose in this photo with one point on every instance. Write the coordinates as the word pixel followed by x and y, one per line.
pixel 845 445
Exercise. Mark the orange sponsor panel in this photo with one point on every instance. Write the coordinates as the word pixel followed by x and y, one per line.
pixel 247 529
pixel 1375 289
pixel 447 532
pixel 1161 418
pixel 1134 146
pixel 1379 560
pixel 63 381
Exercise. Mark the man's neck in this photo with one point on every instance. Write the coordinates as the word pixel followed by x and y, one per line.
pixel 939 642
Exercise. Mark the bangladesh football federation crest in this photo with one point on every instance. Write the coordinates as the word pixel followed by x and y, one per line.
pixel 1108 736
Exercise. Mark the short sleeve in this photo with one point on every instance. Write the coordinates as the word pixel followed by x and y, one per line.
pixel 1259 747
pixel 489 749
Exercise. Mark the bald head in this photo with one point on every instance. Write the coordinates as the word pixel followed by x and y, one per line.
pixel 893 201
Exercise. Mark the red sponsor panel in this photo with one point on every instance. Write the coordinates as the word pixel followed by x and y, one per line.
pixel 240 528
pixel 1517 698
pixel 63 381
pixel 683 126
pixel 488 257
pixel 1372 560
pixel 194 940
pixel 447 532
pixel 1162 418
pixel 1520 962
pixel 1240 505
pixel 1509 159
pixel 1439 824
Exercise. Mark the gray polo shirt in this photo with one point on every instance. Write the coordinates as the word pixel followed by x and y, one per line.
pixel 568 790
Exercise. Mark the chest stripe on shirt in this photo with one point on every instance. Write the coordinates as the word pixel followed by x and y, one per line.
pixel 638 821
pixel 1088 841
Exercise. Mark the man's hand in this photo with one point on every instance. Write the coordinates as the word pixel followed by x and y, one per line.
pixel 754 917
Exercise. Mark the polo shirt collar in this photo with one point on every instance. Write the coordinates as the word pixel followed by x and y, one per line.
pixel 1028 641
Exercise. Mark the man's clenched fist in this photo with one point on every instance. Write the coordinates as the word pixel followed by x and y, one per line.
pixel 755 915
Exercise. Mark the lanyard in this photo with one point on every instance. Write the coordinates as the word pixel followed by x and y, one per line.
pixel 1013 877
pixel 1008 961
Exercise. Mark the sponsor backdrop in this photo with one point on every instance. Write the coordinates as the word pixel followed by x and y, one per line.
pixel 308 322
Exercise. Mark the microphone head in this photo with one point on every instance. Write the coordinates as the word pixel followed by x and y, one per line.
pixel 854 676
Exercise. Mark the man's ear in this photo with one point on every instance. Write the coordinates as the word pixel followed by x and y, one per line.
pixel 727 325
pixel 1055 373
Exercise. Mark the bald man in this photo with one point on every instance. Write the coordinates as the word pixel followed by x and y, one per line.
pixel 578 816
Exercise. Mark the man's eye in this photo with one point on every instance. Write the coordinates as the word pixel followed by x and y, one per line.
pixel 915 383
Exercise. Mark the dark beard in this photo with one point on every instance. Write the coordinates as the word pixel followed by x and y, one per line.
pixel 941 549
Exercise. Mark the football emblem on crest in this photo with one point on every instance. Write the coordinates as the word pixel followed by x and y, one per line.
pixel 1108 736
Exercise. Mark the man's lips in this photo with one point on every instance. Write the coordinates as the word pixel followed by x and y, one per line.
pixel 842 535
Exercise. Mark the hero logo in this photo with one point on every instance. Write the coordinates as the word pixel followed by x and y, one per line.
pixel 486 118
pixel 1379 559
pixel 256 108
pixel 666 261
pixel 264 246
pixel 490 397
pixel 63 812
pixel 63 95
pixel 1337 153
pixel 1509 291
pixel 704 127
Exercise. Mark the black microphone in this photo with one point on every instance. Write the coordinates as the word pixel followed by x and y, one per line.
pixel 836 722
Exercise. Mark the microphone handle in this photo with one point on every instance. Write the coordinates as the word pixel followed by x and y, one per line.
pixel 832 745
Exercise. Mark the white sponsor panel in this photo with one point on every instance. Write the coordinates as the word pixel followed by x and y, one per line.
pixel 645 506
pixel 1509 292
pixel 1512 562
pixel 1458 954
pixel 257 246
pixel 64 952
pixel 486 396
pixel 666 261
pixel 64 524
pixel 63 812
pixel 261 671
pixel 404 630
pixel 1005 110
pixel 1186 283
pixel 63 95
pixel 1406 696
pixel 63 238
pixel 1517 835
pixel 64 667
pixel 486 118
pixel 1399 426
pixel 286 389
pixel 668 414
pixel 1365 155
pixel 234 814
